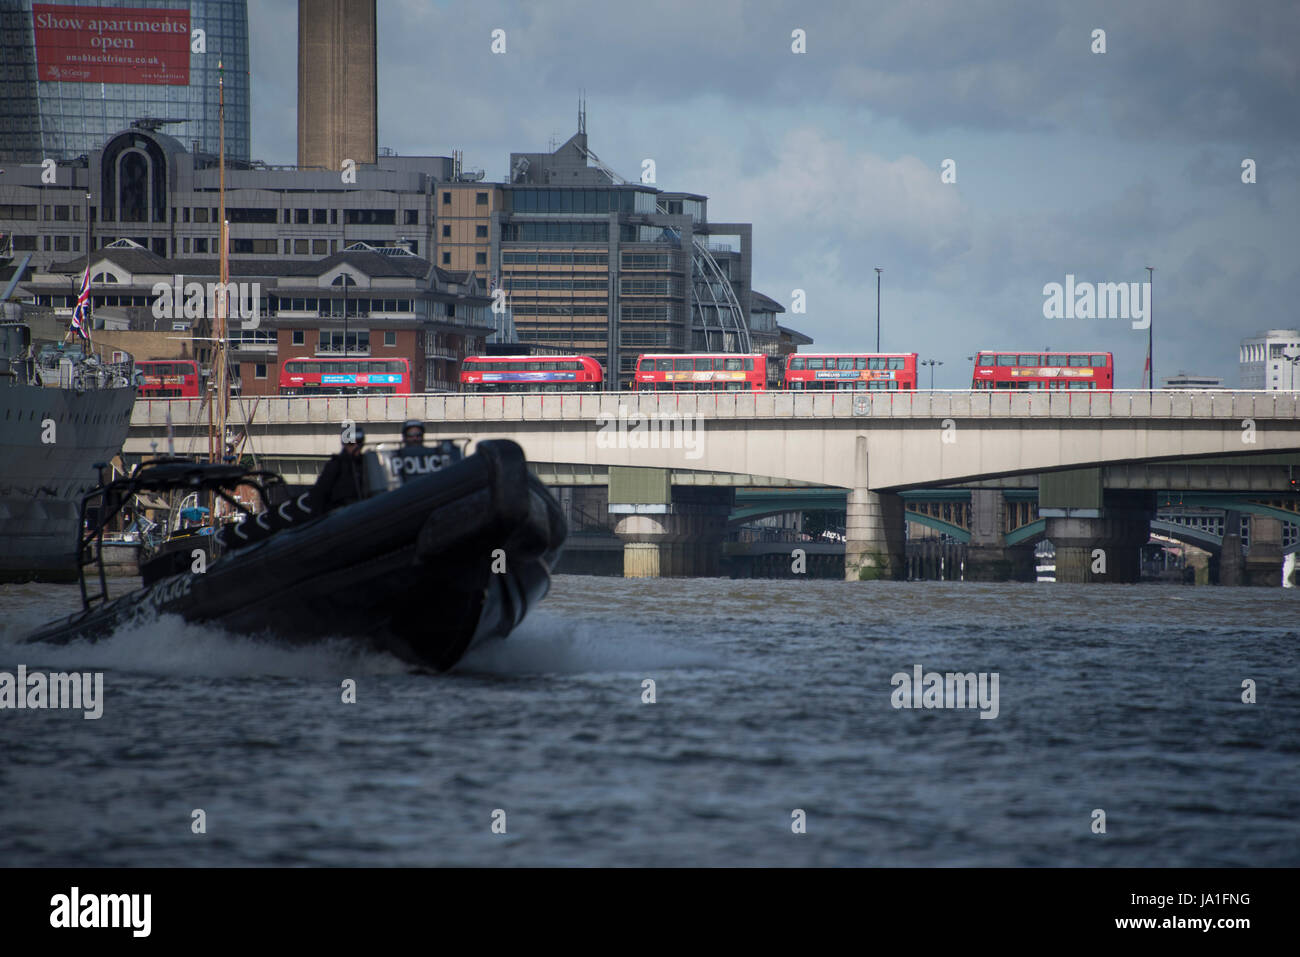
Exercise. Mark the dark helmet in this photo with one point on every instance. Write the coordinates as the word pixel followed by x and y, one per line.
pixel 412 424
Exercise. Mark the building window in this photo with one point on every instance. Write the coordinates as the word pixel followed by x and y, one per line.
pixel 259 370
pixel 319 247
pixel 480 259
pixel 370 217
pixel 256 247
pixel 300 216
pixel 412 217
pixel 200 245
pixel 480 199
pixel 480 232
pixel 446 257
pixel 390 339
pixel 318 217
pixel 446 199
pixel 300 247
pixel 299 338
pixel 446 231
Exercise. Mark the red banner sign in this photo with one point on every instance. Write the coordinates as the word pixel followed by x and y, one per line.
pixel 111 44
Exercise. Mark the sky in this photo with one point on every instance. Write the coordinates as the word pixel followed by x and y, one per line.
pixel 1067 161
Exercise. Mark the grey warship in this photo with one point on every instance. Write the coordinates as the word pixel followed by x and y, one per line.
pixel 62 410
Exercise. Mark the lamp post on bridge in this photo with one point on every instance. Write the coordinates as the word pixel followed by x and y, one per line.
pixel 1294 360
pixel 1151 324
pixel 878 272
pixel 931 363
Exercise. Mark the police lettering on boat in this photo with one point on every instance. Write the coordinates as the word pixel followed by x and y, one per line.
pixel 410 461
pixel 413 458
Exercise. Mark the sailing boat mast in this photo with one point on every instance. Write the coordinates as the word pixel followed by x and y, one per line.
pixel 217 428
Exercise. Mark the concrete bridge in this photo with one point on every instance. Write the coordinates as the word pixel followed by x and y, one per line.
pixel 874 446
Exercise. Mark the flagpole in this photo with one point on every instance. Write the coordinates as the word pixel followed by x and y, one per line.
pixel 90 305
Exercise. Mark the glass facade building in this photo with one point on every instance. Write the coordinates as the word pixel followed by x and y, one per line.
pixel 71 76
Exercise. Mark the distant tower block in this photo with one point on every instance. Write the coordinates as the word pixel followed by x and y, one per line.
pixel 337 90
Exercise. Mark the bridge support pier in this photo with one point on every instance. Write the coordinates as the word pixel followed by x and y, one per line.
pixel 875 545
pixel 1104 546
pixel 685 542
pixel 988 557
pixel 667 532
pixel 1264 557
pixel 1232 563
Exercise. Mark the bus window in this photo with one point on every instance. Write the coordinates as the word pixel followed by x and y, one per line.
pixel 875 362
pixel 1079 362
pixel 985 360
pixel 703 364
pixel 897 362
pixel 845 363
pixel 814 363
pixel 682 365
pixel 1099 361
pixel 1057 360
pixel 796 362
pixel 662 365
pixel 1027 360
pixel 860 362
pixel 732 365
pixel 749 365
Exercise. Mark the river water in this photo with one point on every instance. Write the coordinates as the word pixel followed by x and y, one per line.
pixel 771 698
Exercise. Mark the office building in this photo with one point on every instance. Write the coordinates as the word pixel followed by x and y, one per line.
pixel 74 73
pixel 1269 361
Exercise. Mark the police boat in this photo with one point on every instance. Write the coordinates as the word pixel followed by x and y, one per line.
pixel 439 555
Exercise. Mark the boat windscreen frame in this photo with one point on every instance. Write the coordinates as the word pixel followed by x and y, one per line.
pixel 162 473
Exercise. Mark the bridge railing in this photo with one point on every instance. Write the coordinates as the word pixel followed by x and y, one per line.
pixel 478 407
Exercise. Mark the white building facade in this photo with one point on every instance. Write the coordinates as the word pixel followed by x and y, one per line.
pixel 1271 361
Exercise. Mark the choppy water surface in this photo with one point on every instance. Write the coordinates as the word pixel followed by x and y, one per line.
pixel 771 696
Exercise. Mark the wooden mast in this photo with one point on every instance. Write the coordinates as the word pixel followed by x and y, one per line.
pixel 217 435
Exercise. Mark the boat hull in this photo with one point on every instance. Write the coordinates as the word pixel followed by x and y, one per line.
pixel 424 571
pixel 42 481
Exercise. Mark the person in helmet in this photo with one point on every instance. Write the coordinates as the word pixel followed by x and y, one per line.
pixel 412 432
pixel 342 481
pixel 414 459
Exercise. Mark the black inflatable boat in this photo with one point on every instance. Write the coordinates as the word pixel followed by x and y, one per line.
pixel 422 569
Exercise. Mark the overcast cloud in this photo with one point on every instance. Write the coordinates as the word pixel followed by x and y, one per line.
pixel 1067 161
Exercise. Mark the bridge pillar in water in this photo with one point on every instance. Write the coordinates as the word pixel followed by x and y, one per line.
pixel 1232 563
pixel 875 540
pixel 1263 565
pixel 667 532
pixel 1098 535
pixel 988 557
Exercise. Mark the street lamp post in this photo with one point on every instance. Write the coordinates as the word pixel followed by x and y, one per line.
pixel 1294 360
pixel 1151 323
pixel 931 363
pixel 878 272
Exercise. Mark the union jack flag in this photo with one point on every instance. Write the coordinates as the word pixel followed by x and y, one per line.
pixel 81 312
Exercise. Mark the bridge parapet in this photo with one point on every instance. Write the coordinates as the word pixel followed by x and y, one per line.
pixel 472 408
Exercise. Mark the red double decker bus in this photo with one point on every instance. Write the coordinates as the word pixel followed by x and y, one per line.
pixel 168 379
pixel 1044 370
pixel 850 371
pixel 701 372
pixel 531 374
pixel 347 376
